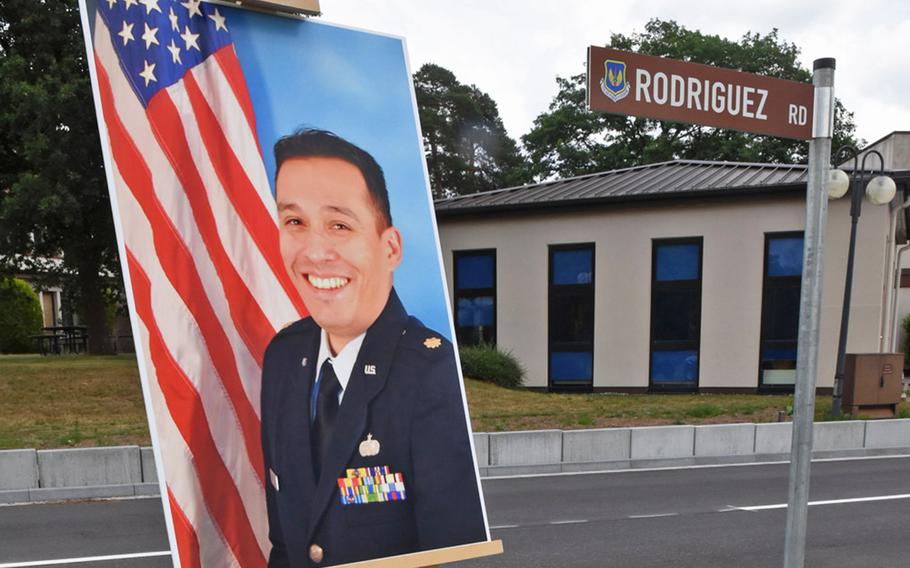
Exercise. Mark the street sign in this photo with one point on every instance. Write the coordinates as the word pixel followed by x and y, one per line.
pixel 622 82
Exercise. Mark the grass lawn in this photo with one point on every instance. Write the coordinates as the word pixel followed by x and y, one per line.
pixel 494 409
pixel 70 401
pixel 80 401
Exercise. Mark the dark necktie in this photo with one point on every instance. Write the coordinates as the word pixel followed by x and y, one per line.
pixel 326 411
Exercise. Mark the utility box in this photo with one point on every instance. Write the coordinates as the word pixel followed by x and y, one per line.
pixel 873 383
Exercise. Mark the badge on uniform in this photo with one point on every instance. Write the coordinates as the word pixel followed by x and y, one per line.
pixel 370 485
pixel 369 447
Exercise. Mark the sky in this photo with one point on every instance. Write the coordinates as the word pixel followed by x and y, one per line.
pixel 514 50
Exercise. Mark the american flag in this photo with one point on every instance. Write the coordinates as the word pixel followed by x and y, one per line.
pixel 209 291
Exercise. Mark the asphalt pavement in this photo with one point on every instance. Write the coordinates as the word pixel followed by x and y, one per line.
pixel 729 516
pixel 702 517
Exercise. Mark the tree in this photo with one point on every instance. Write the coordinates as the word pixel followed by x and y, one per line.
pixel 569 140
pixel 467 147
pixel 53 195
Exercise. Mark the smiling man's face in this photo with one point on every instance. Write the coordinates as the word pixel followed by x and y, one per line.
pixel 334 244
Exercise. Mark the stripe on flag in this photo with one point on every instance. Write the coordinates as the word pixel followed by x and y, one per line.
pixel 187 541
pixel 186 346
pixel 207 281
pixel 174 206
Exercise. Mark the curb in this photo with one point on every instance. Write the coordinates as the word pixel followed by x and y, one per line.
pixel 30 476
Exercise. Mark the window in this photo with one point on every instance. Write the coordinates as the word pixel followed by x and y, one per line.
pixel 675 313
pixel 475 296
pixel 571 316
pixel 780 310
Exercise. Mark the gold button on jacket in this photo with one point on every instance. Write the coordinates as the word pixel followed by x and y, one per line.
pixel 316 553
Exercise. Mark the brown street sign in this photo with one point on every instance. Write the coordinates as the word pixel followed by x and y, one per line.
pixel 622 82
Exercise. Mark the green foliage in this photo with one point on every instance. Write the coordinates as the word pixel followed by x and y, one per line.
pixel 20 316
pixel 486 362
pixel 705 410
pixel 53 194
pixel 467 147
pixel 568 140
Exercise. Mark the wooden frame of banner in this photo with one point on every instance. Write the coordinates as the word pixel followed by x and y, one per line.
pixel 432 558
pixel 306 7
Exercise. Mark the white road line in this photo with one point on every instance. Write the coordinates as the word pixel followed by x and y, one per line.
pixel 827 502
pixel 498 527
pixel 681 467
pixel 569 522
pixel 730 508
pixel 85 559
pixel 655 516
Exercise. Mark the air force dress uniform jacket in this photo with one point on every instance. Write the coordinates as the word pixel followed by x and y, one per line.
pixel 404 398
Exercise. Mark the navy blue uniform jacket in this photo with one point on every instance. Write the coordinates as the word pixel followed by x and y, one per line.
pixel 412 406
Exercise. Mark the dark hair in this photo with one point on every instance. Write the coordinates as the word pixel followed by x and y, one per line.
pixel 312 142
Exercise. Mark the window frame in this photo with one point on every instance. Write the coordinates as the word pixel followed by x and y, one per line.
pixel 766 279
pixel 570 289
pixel 676 285
pixel 473 293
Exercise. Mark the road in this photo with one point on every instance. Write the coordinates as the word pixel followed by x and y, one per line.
pixel 731 516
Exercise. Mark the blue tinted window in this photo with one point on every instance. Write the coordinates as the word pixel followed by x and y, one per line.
pixel 573 266
pixel 674 366
pixel 474 271
pixel 785 256
pixel 475 311
pixel 571 366
pixel 778 354
pixel 678 262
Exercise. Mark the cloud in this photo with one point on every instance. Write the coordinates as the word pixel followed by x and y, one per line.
pixel 514 49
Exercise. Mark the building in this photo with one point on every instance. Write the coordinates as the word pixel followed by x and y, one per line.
pixel 676 276
pixel 49 294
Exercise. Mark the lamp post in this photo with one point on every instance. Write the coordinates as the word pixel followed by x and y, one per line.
pixel 880 190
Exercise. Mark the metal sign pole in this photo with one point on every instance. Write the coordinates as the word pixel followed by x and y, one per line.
pixel 809 313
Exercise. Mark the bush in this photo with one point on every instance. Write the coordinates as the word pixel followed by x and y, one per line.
pixel 20 316
pixel 487 363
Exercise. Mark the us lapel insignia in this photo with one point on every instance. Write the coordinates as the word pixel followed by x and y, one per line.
pixel 369 369
pixel 274 478
pixel 369 447
pixel 432 342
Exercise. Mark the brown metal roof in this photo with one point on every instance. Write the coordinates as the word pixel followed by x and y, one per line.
pixel 675 179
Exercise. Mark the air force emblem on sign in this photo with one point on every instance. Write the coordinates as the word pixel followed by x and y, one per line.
pixel 614 83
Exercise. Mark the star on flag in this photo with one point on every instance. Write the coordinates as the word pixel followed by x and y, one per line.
pixel 189 38
pixel 150 5
pixel 175 52
pixel 173 18
pixel 192 7
pixel 148 73
pixel 126 33
pixel 219 20
pixel 150 36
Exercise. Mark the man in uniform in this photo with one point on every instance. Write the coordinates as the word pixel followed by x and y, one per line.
pixel 364 435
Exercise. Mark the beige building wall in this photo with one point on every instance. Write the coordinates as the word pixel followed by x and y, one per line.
pixel 733 231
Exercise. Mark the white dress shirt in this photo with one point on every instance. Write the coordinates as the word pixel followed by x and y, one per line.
pixel 343 363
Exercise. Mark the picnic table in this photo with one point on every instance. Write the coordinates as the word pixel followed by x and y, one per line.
pixel 59 339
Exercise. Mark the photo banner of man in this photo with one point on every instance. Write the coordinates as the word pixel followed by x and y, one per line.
pixel 285 286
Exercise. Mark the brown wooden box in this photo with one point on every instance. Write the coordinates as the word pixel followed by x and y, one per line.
pixel 872 383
